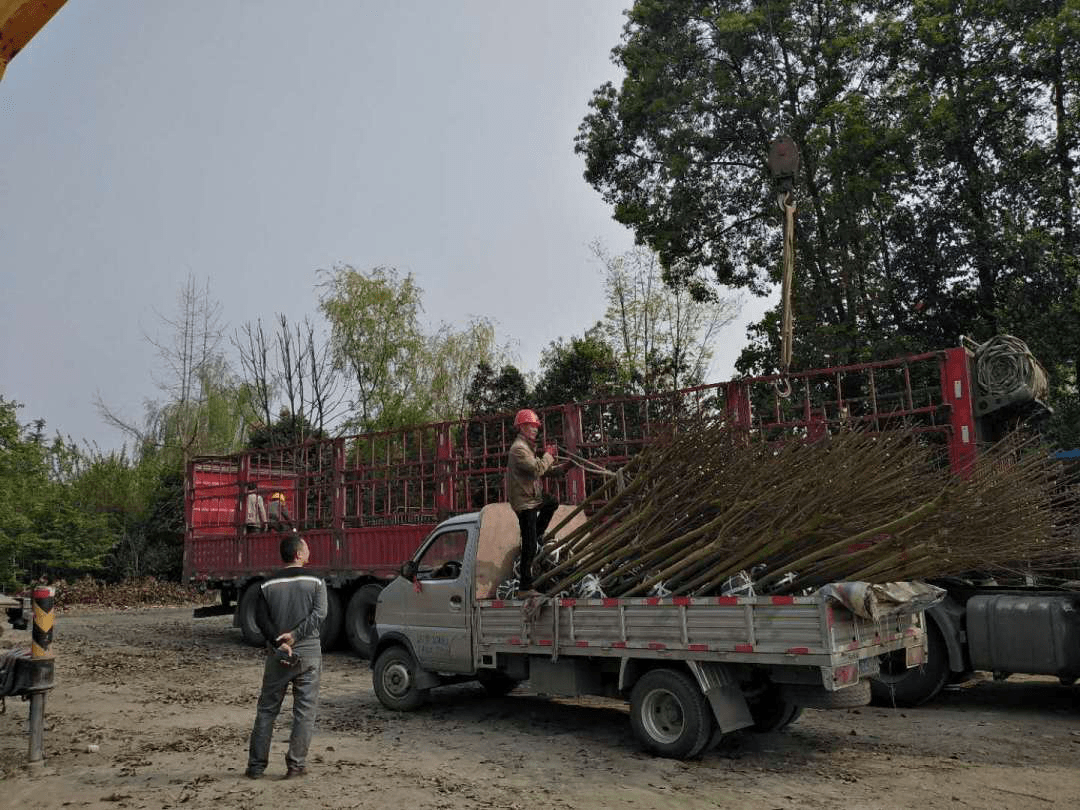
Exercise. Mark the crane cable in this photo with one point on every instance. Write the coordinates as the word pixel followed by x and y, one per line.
pixel 786 201
pixel 783 162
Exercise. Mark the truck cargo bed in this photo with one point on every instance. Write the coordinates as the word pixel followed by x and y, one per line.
pixel 807 630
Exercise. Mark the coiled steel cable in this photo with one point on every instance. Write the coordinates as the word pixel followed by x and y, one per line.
pixel 1004 363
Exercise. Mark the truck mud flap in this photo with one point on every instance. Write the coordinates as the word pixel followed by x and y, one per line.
pixel 725 695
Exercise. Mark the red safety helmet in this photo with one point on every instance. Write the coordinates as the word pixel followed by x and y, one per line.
pixel 526 417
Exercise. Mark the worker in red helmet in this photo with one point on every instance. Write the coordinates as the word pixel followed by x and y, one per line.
pixel 534 508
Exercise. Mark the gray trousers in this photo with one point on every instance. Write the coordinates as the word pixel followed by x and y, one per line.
pixel 276 679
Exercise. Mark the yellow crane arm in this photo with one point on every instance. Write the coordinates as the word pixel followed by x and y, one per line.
pixel 19 21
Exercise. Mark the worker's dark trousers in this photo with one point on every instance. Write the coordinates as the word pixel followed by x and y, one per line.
pixel 533 523
pixel 276 679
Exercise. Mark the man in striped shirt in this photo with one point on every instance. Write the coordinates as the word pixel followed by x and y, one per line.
pixel 289 612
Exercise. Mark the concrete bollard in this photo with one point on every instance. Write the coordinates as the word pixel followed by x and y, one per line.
pixel 40 642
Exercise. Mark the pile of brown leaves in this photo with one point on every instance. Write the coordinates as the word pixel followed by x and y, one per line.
pixel 140 592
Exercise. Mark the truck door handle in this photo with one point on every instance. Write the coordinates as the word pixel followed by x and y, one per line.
pixel 455 602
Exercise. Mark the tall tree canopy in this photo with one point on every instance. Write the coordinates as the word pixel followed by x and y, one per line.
pixel 401 373
pixel 662 336
pixel 938 178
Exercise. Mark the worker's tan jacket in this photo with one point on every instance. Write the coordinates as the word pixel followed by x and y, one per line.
pixel 523 471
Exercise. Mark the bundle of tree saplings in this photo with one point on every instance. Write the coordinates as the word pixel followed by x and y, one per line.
pixel 711 511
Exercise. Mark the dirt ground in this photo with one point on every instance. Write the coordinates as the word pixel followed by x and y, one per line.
pixel 152 710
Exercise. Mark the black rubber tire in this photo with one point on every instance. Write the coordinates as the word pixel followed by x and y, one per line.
pixel 915 686
pixel 772 712
pixel 495 683
pixel 245 614
pixel 330 632
pixel 670 715
pixel 394 680
pixel 818 697
pixel 360 619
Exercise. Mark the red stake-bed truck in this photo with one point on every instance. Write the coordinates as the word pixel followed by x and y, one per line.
pixel 365 503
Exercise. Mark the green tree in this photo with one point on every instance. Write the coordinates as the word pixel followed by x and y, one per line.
pixel 402 374
pixel 938 175
pixel 491 393
pixel 47 523
pixel 662 335
pixel 578 370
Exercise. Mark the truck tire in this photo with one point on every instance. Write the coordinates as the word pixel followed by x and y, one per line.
pixel 245 613
pixel 670 715
pixel 773 712
pixel 360 619
pixel 330 631
pixel 495 683
pixel 394 680
pixel 818 697
pixel 904 688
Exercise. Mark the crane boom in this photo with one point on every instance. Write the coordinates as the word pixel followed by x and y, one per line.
pixel 20 20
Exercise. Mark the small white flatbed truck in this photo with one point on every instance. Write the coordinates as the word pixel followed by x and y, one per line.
pixel 692 668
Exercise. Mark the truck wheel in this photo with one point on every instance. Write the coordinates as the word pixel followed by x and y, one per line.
pixel 902 687
pixel 772 712
pixel 245 611
pixel 818 697
pixel 669 714
pixel 495 683
pixel 360 619
pixel 395 680
pixel 330 631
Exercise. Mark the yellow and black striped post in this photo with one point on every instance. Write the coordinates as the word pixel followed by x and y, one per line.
pixel 40 641
pixel 41 637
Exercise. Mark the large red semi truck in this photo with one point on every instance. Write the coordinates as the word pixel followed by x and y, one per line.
pixel 365 503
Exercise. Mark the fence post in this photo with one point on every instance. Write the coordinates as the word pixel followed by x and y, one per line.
pixel 575 477
pixel 444 489
pixel 41 640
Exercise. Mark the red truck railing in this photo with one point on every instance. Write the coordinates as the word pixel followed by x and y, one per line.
pixel 365 502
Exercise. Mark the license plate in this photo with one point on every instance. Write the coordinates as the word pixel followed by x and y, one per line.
pixel 915 656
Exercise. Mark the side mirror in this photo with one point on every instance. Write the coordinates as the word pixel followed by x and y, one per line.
pixel 408 569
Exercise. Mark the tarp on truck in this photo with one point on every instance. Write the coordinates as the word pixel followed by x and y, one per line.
pixel 876 602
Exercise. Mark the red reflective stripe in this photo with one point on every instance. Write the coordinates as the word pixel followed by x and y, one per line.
pixel 681 600
pixel 853 645
pixel 799 650
pixel 727 600
pixel 656 645
pixel 652 600
pixel 498 603
pixel 568 602
pixel 513 640
pixel 783 600
pixel 620 644
pixel 545 642
pixel 698 647
pixel 583 644
pixel 611 602
pixel 744 648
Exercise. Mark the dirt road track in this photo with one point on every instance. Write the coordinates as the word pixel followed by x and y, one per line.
pixel 169 702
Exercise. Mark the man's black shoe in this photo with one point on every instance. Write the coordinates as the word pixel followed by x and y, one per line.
pixel 295 773
pixel 250 774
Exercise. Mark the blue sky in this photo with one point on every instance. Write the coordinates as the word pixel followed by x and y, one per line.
pixel 252 143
